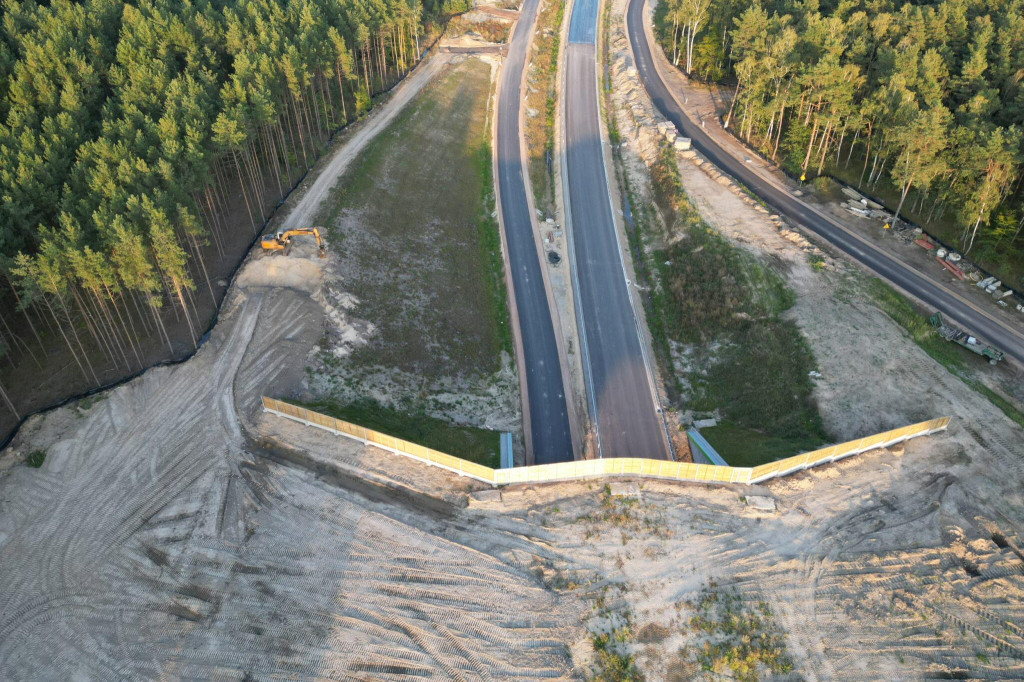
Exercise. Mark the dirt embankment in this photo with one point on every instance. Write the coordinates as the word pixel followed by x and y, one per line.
pixel 159 540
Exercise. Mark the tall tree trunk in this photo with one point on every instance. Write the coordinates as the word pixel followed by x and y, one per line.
pixel 17 304
pixel 341 90
pixel 184 308
pixel 810 145
pixel 160 324
pixel 245 195
pixel 732 105
pixel 16 340
pixel 10 405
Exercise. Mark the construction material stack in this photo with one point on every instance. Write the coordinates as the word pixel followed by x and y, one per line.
pixel 962 338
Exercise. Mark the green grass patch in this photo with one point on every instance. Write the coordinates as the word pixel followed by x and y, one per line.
pixel 465 442
pixel 744 447
pixel 419 248
pixel 611 662
pixel 541 98
pixel 714 288
pixel 895 305
pixel 760 381
pixel 959 361
pixel 35 458
pixel 612 640
pixel 489 236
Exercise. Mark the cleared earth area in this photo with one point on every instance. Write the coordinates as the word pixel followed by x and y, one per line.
pixel 160 540
pixel 175 531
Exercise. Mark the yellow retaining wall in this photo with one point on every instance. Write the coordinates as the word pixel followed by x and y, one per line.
pixel 613 466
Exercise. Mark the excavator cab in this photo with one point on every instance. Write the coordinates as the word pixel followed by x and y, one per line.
pixel 281 240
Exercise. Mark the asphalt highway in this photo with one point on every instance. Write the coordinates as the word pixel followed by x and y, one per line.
pixel 619 384
pixel 548 417
pixel 1001 334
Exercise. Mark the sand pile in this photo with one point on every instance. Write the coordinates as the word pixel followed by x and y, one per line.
pixel 288 272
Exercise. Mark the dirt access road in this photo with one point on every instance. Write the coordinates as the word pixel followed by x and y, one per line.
pixel 305 208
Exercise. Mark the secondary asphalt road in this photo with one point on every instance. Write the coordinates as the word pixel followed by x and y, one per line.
pixel 549 419
pixel 628 424
pixel 931 292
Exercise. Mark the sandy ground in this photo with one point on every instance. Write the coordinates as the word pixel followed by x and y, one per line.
pixel 169 534
pixel 176 532
pixel 161 539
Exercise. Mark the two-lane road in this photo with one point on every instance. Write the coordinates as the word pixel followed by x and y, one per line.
pixel 549 434
pixel 619 381
pixel 935 294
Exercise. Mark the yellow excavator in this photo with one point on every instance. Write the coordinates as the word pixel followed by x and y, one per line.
pixel 281 240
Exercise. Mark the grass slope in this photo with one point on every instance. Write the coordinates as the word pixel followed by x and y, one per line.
pixel 540 103
pixel 422 253
pixel 959 361
pixel 744 359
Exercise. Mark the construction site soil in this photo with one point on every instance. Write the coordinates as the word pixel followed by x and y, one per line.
pixel 175 531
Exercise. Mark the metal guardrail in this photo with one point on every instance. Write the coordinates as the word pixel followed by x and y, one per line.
pixel 609 466
pixel 699 444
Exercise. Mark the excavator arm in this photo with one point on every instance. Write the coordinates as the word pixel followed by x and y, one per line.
pixel 278 242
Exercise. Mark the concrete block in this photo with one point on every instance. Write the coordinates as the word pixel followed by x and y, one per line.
pixel 624 488
pixel 760 502
pixel 682 144
pixel 493 495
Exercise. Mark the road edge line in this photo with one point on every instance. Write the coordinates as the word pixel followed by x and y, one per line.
pixel 510 291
